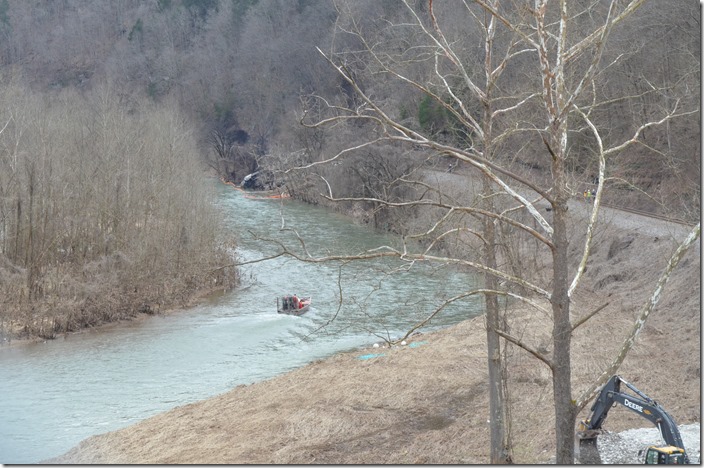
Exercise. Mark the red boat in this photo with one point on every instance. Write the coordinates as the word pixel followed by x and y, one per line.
pixel 292 305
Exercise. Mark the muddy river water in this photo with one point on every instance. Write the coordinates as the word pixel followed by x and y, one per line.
pixel 56 393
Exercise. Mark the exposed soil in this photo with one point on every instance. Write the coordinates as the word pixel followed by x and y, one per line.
pixel 427 402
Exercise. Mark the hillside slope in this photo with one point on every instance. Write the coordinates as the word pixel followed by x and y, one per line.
pixel 427 403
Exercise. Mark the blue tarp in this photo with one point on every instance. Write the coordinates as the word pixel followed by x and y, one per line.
pixel 364 357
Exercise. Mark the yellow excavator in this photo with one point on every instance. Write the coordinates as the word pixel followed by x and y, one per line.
pixel 671 454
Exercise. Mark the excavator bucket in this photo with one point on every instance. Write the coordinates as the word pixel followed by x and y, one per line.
pixel 587 451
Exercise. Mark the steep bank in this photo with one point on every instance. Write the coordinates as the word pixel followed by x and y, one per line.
pixel 428 403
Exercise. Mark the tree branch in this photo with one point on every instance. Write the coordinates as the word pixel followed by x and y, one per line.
pixel 525 347
pixel 589 315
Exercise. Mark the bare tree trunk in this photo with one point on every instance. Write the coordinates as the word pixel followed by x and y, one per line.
pixel 498 406
pixel 500 444
pixel 29 249
pixel 556 98
pixel 565 411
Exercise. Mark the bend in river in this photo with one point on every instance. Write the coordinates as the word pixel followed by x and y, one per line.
pixel 57 393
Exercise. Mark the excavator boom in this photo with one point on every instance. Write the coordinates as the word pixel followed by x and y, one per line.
pixel 640 403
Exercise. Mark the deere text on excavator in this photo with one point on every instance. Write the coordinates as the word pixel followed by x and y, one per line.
pixel 671 454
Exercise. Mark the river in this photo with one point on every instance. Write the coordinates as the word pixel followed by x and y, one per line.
pixel 57 393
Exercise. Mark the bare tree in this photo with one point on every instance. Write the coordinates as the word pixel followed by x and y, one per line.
pixel 492 114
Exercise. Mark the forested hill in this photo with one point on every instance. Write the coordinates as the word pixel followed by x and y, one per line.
pixel 239 68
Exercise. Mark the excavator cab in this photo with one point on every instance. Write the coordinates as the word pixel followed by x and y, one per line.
pixel 667 455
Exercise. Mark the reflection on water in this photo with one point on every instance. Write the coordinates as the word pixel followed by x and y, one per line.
pixel 57 393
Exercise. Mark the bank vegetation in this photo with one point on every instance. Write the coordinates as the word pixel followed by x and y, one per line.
pixel 104 211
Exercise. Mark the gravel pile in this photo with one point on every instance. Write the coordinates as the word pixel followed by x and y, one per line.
pixel 623 447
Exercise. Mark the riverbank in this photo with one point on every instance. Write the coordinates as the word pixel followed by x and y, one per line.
pixel 17 336
pixel 426 402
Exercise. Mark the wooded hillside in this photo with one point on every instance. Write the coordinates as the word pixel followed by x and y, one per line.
pixel 241 70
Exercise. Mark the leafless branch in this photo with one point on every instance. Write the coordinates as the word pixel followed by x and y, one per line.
pixel 589 315
pixel 526 347
pixel 465 209
pixel 598 33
